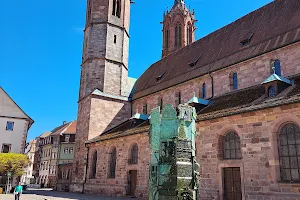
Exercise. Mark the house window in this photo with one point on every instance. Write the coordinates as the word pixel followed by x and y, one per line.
pixel 231 146
pixel 145 109
pixel 94 165
pixel 71 150
pixel 177 98
pixel 112 163
pixel 272 91
pixel 6 148
pixel 67 138
pixel 133 158
pixel 203 90
pixel 10 126
pixel 277 67
pixel 66 150
pixel 289 154
pixel 178 35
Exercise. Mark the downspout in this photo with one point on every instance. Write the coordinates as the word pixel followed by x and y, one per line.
pixel 212 85
pixel 86 167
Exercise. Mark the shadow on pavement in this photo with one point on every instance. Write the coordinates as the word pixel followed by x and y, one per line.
pixel 72 196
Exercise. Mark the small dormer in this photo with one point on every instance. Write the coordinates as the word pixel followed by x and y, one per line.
pixel 275 84
pixel 198 103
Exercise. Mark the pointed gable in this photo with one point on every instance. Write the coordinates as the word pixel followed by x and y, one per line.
pixel 9 108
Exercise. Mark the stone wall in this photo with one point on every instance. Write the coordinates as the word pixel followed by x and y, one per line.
pixel 118 186
pixel 251 72
pixel 260 171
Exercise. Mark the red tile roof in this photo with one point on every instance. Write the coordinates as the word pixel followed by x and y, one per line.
pixel 273 26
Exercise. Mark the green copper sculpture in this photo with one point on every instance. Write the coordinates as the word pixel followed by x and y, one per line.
pixel 173 171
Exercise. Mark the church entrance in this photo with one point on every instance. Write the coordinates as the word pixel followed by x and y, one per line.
pixel 132 182
pixel 232 184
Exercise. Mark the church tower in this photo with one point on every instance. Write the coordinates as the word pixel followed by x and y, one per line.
pixel 178 28
pixel 104 89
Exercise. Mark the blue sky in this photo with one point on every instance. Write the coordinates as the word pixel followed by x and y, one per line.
pixel 41 46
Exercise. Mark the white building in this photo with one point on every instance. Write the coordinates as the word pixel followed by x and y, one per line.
pixel 28 177
pixel 14 125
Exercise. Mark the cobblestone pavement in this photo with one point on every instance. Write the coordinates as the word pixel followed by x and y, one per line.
pixel 53 195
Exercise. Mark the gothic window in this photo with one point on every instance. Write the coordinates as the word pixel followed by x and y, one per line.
pixel 189 34
pixel 277 67
pixel 203 90
pixel 177 98
pixel 178 36
pixel 231 146
pixel 94 165
pixel 289 152
pixel 134 154
pixel 271 91
pixel 145 109
pixel 167 38
pixel 112 163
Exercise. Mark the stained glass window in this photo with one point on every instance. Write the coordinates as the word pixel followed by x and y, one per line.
pixel 289 152
pixel 232 146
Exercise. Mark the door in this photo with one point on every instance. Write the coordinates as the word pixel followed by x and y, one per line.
pixel 133 180
pixel 232 184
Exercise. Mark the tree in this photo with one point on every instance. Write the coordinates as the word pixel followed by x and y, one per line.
pixel 14 163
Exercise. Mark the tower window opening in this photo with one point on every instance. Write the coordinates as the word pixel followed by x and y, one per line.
pixel 115 39
pixel 114 7
pixel 189 34
pixel 118 9
pixel 167 38
pixel 178 35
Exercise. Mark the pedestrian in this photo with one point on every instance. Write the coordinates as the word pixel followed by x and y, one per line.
pixel 18 191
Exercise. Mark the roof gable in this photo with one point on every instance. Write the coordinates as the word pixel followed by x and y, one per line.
pixel 9 108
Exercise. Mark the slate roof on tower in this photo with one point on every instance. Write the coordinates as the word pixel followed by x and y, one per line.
pixel 271 27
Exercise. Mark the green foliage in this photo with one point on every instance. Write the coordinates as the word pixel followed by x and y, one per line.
pixel 14 163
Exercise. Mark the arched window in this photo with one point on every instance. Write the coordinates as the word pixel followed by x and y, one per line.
pixel 134 154
pixel 235 81
pixel 94 165
pixel 277 67
pixel 178 35
pixel 112 163
pixel 289 152
pixel 203 91
pixel 231 146
pixel 189 34
pixel 271 91
pixel 167 37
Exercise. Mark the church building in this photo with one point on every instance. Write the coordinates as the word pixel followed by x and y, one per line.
pixel 243 80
